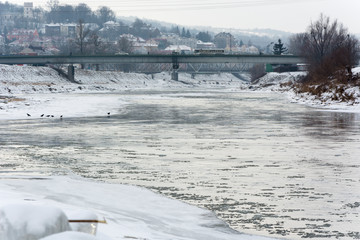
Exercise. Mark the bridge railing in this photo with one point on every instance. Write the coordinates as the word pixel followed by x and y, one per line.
pixel 215 58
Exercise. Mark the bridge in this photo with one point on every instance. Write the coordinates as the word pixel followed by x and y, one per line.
pixel 174 59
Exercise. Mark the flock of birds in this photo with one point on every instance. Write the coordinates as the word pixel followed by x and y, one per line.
pixel 61 116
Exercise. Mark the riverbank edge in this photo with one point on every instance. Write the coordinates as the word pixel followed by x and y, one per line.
pixel 16 82
pixel 342 98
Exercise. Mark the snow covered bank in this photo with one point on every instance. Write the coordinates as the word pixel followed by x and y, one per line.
pixel 130 212
pixel 28 79
pixel 331 99
pixel 52 106
pixel 30 90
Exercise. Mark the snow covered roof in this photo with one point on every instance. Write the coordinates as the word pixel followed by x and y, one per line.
pixel 178 48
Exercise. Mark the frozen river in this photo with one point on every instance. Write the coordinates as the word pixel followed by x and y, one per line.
pixel 262 164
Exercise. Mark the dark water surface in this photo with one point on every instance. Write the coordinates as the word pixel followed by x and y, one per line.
pixel 262 164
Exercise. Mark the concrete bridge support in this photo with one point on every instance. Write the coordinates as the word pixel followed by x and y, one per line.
pixel 175 75
pixel 175 66
pixel 71 73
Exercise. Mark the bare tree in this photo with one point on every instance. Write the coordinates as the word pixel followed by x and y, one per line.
pixel 297 43
pixel 257 71
pixel 95 43
pixel 105 14
pixel 81 36
pixel 328 49
pixel 125 45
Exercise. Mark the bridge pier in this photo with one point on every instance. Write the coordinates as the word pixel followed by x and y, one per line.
pixel 175 75
pixel 71 72
pixel 175 66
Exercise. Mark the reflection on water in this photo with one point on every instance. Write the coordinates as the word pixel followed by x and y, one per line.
pixel 263 165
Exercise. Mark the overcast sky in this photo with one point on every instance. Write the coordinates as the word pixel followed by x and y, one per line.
pixel 288 15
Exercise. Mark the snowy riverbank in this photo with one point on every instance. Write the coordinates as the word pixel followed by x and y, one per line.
pixel 48 202
pixel 27 79
pixel 131 212
pixel 25 89
pixel 284 83
pixel 32 90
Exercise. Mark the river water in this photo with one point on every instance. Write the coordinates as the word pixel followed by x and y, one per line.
pixel 262 164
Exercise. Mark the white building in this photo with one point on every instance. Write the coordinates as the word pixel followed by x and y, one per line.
pixel 205 45
pixel 248 50
pixel 28 10
pixel 183 49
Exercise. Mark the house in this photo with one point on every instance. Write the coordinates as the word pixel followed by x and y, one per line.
pixel 182 49
pixel 9 18
pixel 133 39
pixel 111 25
pixel 28 10
pixel 145 47
pixel 225 41
pixel 248 50
pixel 28 52
pixel 68 30
pixel 64 30
pixel 205 45
pixel 174 39
pixel 52 29
pixel 22 34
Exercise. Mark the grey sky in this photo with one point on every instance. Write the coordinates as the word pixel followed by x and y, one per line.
pixel 287 15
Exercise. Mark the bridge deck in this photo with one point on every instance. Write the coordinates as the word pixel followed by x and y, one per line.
pixel 219 58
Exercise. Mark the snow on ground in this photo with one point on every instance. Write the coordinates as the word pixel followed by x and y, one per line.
pixel 67 105
pixel 27 79
pixel 38 206
pixel 283 82
pixel 131 212
pixel 32 90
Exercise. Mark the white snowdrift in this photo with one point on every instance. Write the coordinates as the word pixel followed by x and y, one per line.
pixel 31 90
pixel 31 222
pixel 131 212
pixel 72 236
pixel 28 79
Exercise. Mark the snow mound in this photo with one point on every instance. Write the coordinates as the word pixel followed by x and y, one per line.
pixel 131 212
pixel 83 226
pixel 31 222
pixel 276 81
pixel 72 236
pixel 29 79
pixel 356 70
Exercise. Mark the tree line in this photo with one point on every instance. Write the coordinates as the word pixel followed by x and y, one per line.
pixel 329 49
